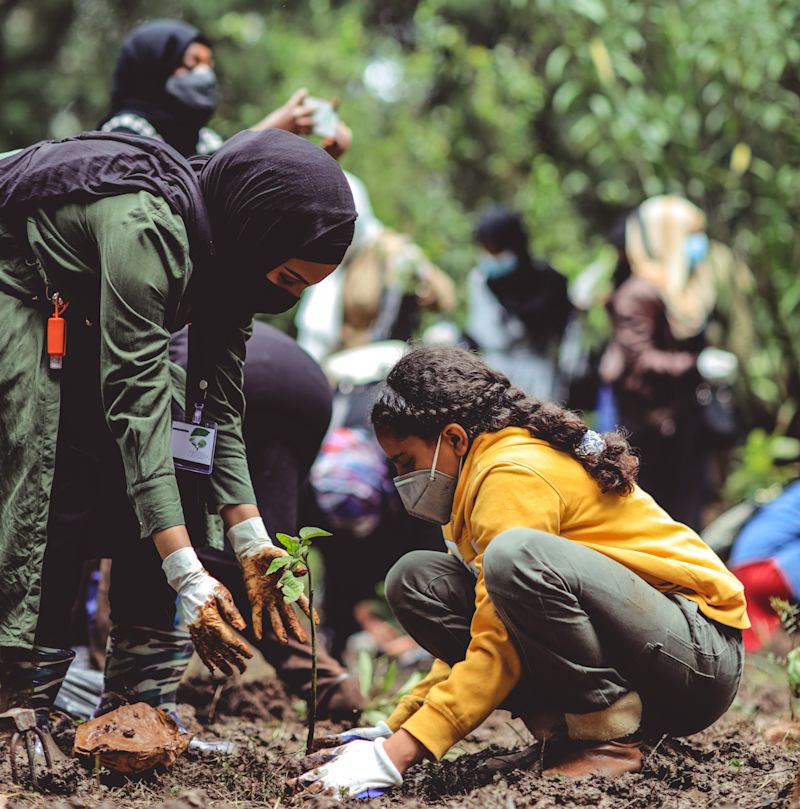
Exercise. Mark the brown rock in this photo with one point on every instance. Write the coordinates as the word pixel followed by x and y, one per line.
pixel 131 738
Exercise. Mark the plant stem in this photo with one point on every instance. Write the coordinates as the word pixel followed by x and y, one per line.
pixel 312 704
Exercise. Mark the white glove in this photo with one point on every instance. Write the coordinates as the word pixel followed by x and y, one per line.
pixel 249 537
pixel 716 365
pixel 360 769
pixel 207 605
pixel 379 731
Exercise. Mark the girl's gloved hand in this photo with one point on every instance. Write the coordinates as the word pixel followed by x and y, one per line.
pixel 207 605
pixel 378 731
pixel 360 769
pixel 255 552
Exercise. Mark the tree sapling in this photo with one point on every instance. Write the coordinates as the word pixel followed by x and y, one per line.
pixel 291 585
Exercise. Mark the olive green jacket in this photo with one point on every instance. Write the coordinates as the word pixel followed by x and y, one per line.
pixel 125 261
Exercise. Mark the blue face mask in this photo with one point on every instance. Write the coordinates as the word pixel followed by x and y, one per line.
pixel 498 265
pixel 696 248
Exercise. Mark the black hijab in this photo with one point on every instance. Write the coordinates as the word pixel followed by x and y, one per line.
pixel 148 57
pixel 534 292
pixel 272 196
pixel 502 229
pixel 264 196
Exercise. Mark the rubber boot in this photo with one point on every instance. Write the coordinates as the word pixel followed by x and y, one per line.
pixel 146 665
pixel 31 678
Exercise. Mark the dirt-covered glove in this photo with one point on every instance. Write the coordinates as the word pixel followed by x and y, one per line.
pixel 255 551
pixel 378 731
pixel 361 769
pixel 207 605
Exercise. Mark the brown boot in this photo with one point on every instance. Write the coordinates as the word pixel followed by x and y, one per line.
pixel 600 758
pixel 603 739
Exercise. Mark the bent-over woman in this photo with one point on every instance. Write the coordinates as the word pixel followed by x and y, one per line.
pixel 125 241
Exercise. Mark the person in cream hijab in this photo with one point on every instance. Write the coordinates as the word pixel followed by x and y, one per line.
pixel 657 355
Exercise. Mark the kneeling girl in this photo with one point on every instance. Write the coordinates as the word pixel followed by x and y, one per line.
pixel 568 596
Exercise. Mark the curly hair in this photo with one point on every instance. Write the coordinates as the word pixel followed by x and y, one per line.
pixel 432 386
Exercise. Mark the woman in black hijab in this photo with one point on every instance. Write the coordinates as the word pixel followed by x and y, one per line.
pixel 122 239
pixel 518 304
pixel 165 87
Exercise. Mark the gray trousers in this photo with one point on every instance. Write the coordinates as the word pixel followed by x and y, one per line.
pixel 587 630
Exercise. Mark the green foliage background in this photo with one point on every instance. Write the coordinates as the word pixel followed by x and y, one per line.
pixel 572 110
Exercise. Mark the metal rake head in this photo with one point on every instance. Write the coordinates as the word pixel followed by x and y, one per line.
pixel 20 724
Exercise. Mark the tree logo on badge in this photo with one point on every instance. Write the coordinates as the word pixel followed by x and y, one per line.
pixel 197 438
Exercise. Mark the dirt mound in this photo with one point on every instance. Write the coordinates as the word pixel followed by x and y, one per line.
pixel 726 766
pixel 730 765
pixel 264 699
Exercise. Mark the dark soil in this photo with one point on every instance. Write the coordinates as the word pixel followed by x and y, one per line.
pixel 729 765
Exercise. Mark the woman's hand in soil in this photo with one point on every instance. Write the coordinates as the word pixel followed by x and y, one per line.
pixel 207 605
pixel 361 769
pixel 378 731
pixel 255 552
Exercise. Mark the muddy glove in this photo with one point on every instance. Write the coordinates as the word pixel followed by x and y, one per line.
pixel 361 769
pixel 207 605
pixel 255 551
pixel 378 731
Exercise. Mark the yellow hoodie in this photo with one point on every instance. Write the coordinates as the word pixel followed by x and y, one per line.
pixel 512 480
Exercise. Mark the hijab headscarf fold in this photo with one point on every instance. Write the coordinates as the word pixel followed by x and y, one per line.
pixel 149 56
pixel 273 196
pixel 265 197
pixel 656 248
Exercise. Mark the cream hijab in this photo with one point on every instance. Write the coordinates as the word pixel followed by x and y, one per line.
pixel 655 243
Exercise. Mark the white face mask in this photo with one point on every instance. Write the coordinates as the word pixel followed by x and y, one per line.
pixel 429 494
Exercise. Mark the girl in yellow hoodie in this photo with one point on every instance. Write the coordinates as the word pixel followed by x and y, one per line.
pixel 568 596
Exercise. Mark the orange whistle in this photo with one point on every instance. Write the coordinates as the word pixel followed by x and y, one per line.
pixel 57 335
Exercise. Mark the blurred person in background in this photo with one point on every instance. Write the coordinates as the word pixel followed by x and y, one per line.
pixel 657 355
pixel 766 558
pixel 518 305
pixel 165 87
pixel 377 293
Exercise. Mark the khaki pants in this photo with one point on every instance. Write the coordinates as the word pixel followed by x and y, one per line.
pixel 587 630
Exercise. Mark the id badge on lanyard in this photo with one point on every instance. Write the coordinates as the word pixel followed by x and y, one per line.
pixel 193 442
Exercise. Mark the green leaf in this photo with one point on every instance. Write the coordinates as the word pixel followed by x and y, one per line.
pixel 292 544
pixel 277 563
pixel 793 671
pixel 366 671
pixel 391 675
pixel 785 448
pixel 313 533
pixel 291 586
